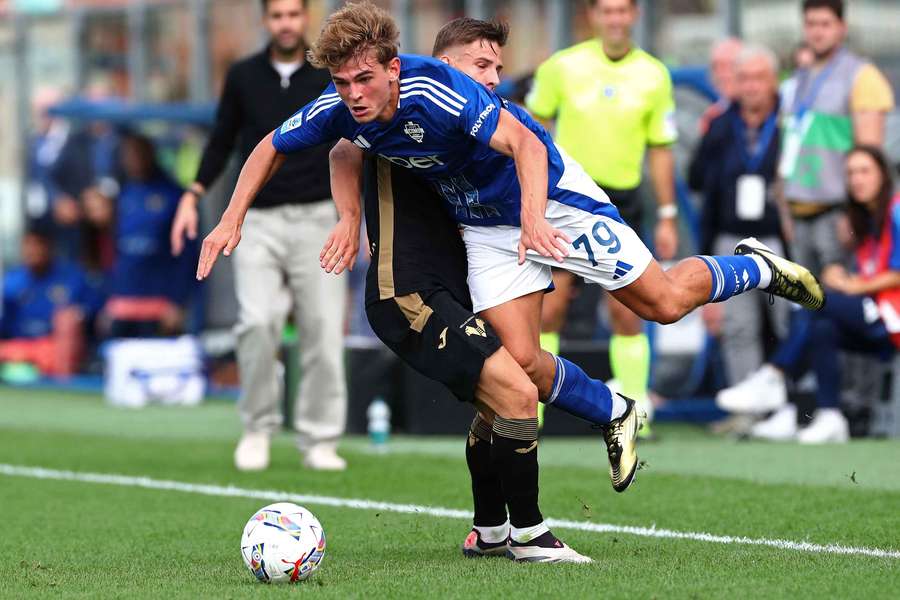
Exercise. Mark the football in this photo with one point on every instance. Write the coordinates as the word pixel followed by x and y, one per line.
pixel 282 543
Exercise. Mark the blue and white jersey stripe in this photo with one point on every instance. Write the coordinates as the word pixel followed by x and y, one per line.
pixel 442 130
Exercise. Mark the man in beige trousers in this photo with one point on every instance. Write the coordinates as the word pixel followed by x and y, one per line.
pixel 277 266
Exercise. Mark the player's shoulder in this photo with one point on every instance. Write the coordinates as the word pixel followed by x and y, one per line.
pixel 425 69
pixel 435 85
pixel 16 279
pixel 573 56
pixel 651 66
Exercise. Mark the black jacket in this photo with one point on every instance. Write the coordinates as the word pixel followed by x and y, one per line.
pixel 253 103
pixel 715 167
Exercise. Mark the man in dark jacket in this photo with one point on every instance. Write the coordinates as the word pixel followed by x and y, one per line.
pixel 279 259
pixel 735 168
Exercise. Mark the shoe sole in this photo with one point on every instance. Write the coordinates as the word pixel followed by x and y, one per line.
pixel 546 559
pixel 469 553
pixel 630 478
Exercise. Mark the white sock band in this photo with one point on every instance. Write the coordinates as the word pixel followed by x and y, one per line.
pixel 526 534
pixel 493 535
pixel 765 272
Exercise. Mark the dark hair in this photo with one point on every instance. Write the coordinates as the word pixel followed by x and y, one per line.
pixel 265 4
pixel 40 229
pixel 465 30
pixel 835 6
pixel 593 3
pixel 861 219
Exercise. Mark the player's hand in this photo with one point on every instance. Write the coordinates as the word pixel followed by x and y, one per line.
pixel 223 238
pixel 185 222
pixel 341 247
pixel 544 239
pixel 666 239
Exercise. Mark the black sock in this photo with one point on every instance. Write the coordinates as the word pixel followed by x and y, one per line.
pixel 514 452
pixel 487 491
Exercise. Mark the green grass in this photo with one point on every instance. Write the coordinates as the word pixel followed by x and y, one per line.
pixel 72 539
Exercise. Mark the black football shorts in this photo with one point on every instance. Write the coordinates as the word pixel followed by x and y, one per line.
pixel 437 336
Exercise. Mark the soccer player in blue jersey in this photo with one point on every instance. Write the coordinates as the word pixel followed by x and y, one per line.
pixel 515 194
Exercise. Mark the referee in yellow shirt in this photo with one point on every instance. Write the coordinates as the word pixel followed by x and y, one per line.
pixel 611 103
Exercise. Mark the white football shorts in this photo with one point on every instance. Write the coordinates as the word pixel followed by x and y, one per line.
pixel 603 251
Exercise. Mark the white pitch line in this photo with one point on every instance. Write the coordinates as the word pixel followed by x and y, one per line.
pixel 433 511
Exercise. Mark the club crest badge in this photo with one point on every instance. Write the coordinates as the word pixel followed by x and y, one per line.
pixel 414 130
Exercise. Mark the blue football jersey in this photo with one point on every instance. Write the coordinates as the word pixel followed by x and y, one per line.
pixel 441 131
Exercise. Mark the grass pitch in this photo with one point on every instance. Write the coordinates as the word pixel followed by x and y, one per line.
pixel 92 540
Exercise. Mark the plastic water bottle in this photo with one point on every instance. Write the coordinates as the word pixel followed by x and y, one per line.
pixel 379 415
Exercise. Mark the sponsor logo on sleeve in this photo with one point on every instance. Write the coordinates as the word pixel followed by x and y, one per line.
pixel 480 120
pixel 292 123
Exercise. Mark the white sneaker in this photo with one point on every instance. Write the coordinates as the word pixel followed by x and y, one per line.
pixel 324 457
pixel 252 452
pixel 828 425
pixel 781 426
pixel 762 391
pixel 554 552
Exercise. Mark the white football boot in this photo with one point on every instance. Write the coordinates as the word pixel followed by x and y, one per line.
pixel 252 452
pixel 828 425
pixel 781 426
pixel 323 456
pixel 762 391
pixel 541 552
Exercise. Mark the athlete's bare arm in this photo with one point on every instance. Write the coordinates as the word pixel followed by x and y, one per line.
pixel 262 163
pixel 661 161
pixel 518 142
pixel 342 246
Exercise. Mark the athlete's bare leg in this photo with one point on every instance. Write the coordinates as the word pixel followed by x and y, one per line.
pixel 622 319
pixel 518 324
pixel 667 296
pixel 504 389
pixel 556 304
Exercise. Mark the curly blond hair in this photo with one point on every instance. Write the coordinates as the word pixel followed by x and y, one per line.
pixel 353 30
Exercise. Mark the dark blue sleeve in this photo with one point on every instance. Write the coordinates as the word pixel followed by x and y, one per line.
pixel 894 257
pixel 480 112
pixel 318 122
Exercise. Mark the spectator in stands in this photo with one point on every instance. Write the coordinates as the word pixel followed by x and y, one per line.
pixel 149 288
pixel 840 100
pixel 861 313
pixel 802 60
pixel 45 301
pixel 45 142
pixel 735 168
pixel 722 59
pixel 86 169
pixel 285 230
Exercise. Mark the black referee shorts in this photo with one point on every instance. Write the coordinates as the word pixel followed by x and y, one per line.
pixel 631 209
pixel 437 336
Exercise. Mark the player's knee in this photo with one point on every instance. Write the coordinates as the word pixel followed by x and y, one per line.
pixel 663 312
pixel 528 359
pixel 522 400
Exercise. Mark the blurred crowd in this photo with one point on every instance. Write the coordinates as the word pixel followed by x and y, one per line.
pixel 96 261
pixel 95 256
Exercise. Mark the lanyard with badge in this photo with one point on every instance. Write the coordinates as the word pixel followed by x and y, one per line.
pixel 798 121
pixel 751 185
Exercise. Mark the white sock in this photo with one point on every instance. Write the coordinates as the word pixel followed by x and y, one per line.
pixel 618 406
pixel 526 534
pixel 765 272
pixel 493 535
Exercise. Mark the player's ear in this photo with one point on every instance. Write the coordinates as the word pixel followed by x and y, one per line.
pixel 444 59
pixel 393 68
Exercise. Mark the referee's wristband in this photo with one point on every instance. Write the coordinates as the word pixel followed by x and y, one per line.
pixel 667 211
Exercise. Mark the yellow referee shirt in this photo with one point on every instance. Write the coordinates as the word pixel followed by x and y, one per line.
pixel 606 111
